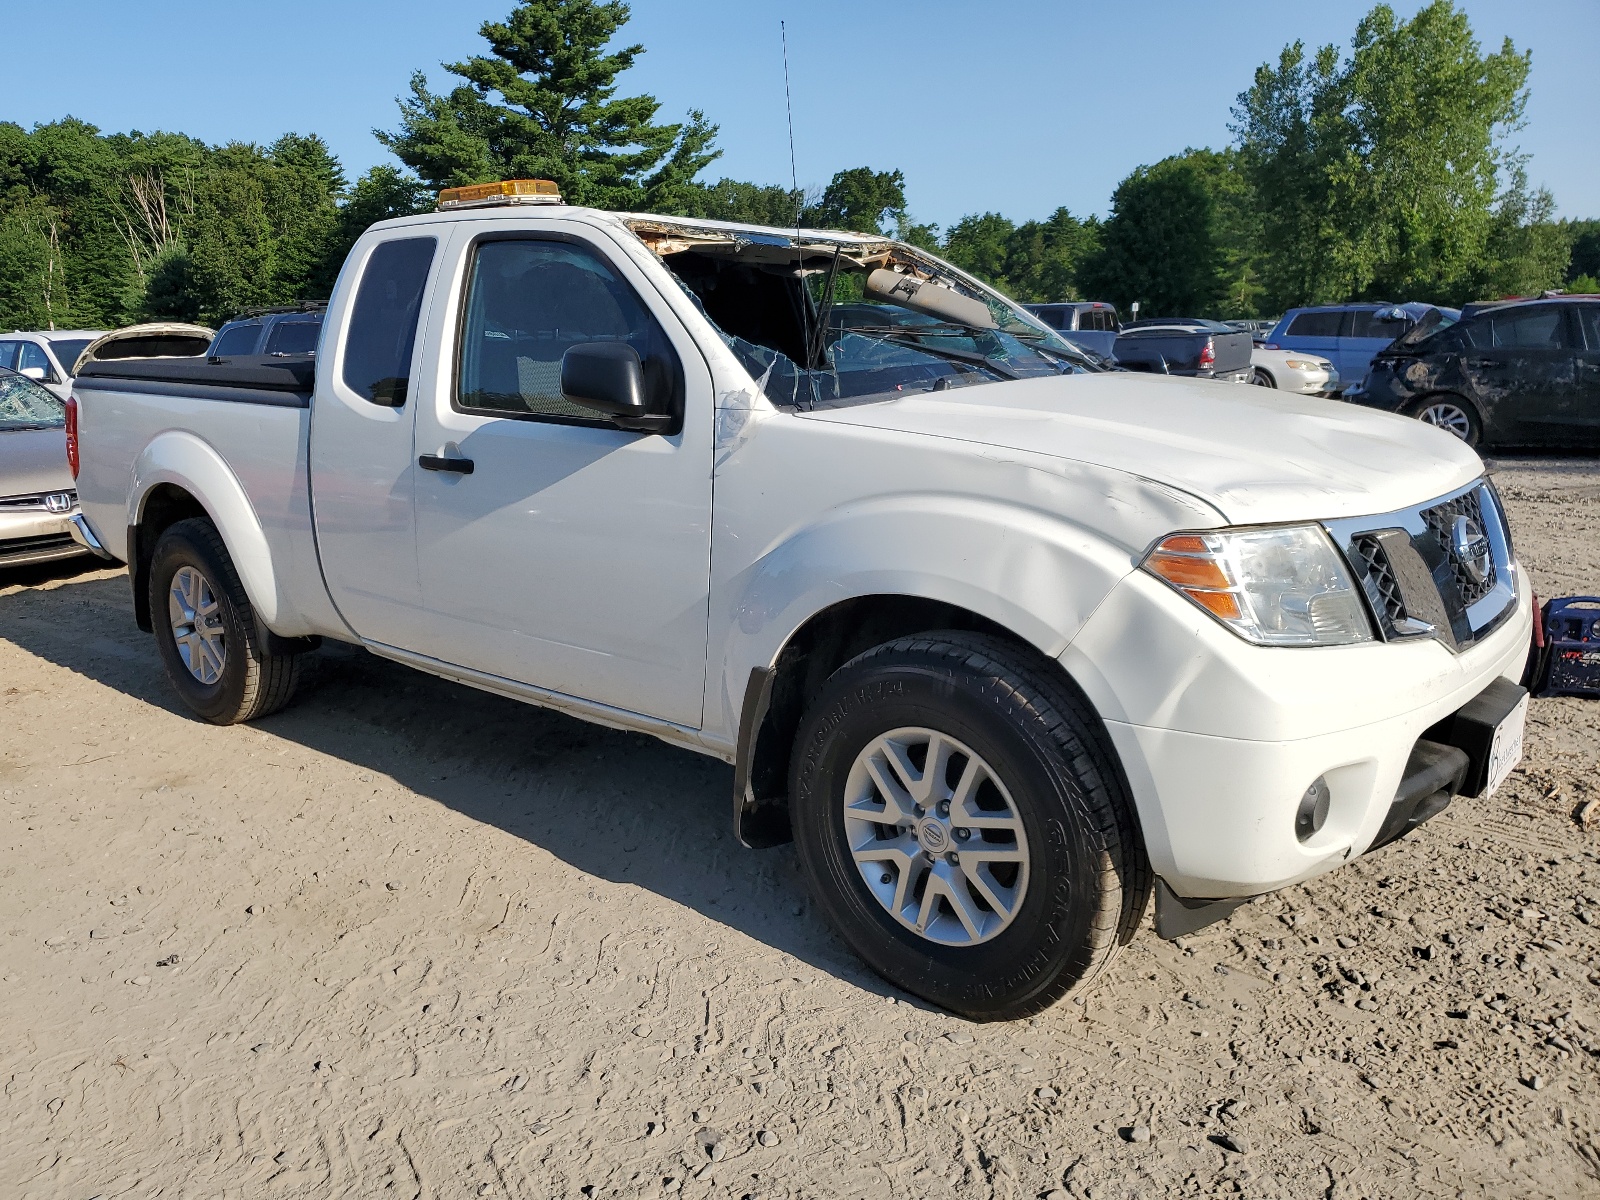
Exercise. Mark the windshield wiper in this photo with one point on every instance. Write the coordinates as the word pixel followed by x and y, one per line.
pixel 902 336
pixel 1077 354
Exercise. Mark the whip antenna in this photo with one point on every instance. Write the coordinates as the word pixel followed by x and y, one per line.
pixel 788 103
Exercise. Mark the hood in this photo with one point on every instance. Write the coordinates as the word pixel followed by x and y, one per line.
pixel 1253 454
pixel 1425 324
pixel 33 461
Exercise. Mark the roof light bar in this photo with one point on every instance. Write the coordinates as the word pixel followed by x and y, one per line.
pixel 505 192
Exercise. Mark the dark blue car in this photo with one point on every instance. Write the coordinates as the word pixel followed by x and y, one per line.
pixel 1348 335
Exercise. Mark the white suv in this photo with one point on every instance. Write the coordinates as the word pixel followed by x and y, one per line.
pixel 47 357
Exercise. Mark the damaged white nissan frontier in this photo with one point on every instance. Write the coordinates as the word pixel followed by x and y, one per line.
pixel 1005 641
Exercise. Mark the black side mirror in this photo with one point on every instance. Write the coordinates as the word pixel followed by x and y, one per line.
pixel 609 378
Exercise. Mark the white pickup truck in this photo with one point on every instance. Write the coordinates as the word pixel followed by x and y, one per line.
pixel 1002 640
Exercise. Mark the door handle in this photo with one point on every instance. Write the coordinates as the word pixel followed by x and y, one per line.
pixel 438 462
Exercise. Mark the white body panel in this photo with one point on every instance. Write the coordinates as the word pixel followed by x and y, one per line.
pixel 637 580
pixel 574 558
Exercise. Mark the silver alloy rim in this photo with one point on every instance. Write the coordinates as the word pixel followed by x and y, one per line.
pixel 197 624
pixel 1448 417
pixel 936 836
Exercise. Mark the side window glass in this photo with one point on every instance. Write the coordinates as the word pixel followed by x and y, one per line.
pixel 236 339
pixel 1316 324
pixel 8 355
pixel 1530 329
pixel 528 302
pixel 294 337
pixel 1589 315
pixel 33 355
pixel 1365 324
pixel 382 328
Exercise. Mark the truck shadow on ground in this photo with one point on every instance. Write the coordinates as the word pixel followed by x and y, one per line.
pixel 619 806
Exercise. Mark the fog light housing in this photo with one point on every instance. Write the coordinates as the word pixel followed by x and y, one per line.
pixel 1312 814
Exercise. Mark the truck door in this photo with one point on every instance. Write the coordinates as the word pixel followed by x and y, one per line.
pixel 361 459
pixel 575 556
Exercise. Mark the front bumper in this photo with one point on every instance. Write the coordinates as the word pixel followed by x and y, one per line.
pixel 1220 739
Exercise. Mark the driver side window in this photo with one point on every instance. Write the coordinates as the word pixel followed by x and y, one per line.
pixel 528 302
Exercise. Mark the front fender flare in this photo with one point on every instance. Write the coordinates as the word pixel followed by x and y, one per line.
pixel 185 461
pixel 1030 572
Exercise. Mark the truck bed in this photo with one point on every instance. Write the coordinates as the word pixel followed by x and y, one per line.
pixel 254 421
pixel 1177 353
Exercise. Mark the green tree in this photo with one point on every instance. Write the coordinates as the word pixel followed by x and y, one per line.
pixel 557 117
pixel 1162 243
pixel 859 199
pixel 979 244
pixel 734 200
pixel 1583 255
pixel 1385 173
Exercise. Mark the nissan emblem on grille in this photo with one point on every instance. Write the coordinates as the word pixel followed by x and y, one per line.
pixel 1471 548
pixel 58 502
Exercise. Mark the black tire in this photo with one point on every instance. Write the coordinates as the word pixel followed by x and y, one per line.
pixel 252 682
pixel 1262 379
pixel 1467 426
pixel 1089 881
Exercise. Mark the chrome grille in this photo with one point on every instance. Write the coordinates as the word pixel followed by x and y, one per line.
pixel 1441 519
pixel 1380 574
pixel 1415 581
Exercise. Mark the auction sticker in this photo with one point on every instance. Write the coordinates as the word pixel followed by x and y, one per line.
pixel 1506 752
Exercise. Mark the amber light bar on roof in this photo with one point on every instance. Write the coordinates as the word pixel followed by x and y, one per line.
pixel 506 191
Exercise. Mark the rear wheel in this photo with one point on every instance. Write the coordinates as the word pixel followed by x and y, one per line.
pixel 1450 413
pixel 1261 379
pixel 207 633
pixel 963 824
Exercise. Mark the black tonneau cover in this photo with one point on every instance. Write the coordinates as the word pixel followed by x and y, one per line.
pixel 253 379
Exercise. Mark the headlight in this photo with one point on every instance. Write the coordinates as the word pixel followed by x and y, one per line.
pixel 1275 587
pixel 1300 364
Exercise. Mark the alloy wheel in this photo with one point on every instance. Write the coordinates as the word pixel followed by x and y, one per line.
pixel 1449 417
pixel 197 624
pixel 936 836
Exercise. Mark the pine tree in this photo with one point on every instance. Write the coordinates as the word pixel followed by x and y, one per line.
pixel 557 115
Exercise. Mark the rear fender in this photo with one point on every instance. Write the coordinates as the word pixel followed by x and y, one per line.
pixel 186 461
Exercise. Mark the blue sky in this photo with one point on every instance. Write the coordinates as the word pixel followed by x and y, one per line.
pixel 1016 108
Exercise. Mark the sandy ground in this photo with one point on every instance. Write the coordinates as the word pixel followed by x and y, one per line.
pixel 409 940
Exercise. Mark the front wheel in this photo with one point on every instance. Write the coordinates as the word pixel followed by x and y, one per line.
pixel 1451 414
pixel 963 825
pixel 206 629
pixel 1261 379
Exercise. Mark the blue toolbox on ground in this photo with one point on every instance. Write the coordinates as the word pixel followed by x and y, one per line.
pixel 1572 647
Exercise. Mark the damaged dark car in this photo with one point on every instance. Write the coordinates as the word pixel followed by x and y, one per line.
pixel 1522 373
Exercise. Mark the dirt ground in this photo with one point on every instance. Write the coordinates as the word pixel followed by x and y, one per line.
pixel 405 939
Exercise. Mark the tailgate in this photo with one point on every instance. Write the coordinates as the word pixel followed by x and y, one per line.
pixel 1233 352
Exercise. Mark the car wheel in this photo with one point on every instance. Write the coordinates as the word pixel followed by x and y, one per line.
pixel 206 629
pixel 964 825
pixel 1450 413
pixel 1261 379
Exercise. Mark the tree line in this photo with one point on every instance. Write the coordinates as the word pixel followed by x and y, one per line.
pixel 1384 171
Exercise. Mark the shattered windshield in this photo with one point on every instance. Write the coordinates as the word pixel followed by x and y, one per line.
pixel 822 321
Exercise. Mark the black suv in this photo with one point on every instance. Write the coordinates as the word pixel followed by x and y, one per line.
pixel 1521 373
pixel 270 333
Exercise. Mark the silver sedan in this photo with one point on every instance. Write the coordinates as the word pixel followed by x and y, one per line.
pixel 37 495
pixel 1293 371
